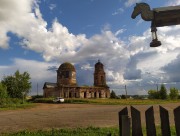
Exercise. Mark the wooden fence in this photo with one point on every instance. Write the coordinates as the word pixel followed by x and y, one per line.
pixel 125 123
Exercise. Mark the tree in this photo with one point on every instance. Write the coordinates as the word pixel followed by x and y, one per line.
pixel 17 84
pixel 153 94
pixel 113 94
pixel 3 91
pixel 123 96
pixel 163 92
pixel 173 93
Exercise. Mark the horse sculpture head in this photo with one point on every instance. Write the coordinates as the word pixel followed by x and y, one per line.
pixel 144 10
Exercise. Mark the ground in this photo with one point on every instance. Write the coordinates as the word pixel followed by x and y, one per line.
pixel 45 116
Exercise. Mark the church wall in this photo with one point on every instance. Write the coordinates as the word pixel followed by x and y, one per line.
pixel 51 92
pixel 77 92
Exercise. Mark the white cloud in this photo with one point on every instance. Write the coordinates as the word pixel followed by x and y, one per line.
pixel 173 2
pixel 129 3
pixel 120 31
pixel 86 67
pixel 57 43
pixel 52 6
pixel 38 71
pixel 118 11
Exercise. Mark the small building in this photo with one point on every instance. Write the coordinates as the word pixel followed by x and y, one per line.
pixel 67 87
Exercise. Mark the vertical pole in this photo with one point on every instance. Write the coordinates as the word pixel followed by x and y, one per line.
pixel 126 91
pixel 37 90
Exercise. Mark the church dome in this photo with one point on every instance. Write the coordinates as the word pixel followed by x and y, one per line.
pixel 66 67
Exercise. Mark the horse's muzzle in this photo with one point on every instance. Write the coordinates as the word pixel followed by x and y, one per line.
pixel 133 16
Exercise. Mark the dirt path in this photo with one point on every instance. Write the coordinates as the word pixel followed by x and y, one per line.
pixel 46 116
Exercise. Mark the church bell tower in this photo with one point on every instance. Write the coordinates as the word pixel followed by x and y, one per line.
pixel 99 75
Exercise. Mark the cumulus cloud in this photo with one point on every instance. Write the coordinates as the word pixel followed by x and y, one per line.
pixel 129 3
pixel 172 70
pixel 131 72
pixel 37 70
pixel 122 60
pixel 173 2
pixel 118 11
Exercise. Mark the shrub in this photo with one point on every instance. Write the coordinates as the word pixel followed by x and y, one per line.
pixel 123 96
pixel 43 100
pixel 153 94
pixel 173 93
pixel 113 94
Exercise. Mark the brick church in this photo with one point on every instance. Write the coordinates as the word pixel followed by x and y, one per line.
pixel 66 85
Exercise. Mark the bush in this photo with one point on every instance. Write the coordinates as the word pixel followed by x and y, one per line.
pixel 153 94
pixel 123 96
pixel 43 100
pixel 173 93
pixel 113 94
pixel 35 97
pixel 3 91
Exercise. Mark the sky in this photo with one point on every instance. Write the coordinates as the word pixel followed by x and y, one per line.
pixel 37 36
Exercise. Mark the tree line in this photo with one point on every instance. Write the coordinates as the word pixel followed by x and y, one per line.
pixel 162 93
pixel 155 94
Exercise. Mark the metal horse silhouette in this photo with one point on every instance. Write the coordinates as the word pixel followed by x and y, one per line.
pixel 159 17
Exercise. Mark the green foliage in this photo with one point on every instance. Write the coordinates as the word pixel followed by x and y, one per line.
pixel 89 131
pixel 163 92
pixel 17 84
pixel 3 91
pixel 123 96
pixel 173 93
pixel 113 94
pixel 13 103
pixel 153 94
pixel 43 100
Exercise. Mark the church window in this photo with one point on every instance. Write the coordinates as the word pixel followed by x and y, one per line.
pixel 66 74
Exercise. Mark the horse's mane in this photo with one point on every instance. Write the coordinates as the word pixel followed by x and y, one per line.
pixel 143 4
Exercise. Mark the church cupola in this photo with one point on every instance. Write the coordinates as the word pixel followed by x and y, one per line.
pixel 66 74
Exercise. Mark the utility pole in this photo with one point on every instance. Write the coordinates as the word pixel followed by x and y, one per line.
pixel 125 91
pixel 157 87
pixel 37 90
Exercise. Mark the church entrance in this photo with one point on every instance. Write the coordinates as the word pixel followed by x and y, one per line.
pixel 85 94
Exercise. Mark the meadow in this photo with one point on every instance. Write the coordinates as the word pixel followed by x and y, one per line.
pixel 110 101
pixel 89 131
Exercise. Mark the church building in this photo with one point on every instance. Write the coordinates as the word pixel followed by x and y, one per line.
pixel 67 87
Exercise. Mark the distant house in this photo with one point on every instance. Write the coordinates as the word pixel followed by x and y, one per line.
pixel 66 85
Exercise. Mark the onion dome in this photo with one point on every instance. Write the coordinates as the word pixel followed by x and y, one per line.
pixel 66 67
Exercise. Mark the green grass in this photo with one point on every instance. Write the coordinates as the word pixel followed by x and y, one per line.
pixel 89 131
pixel 120 101
pixel 14 103
pixel 18 106
pixel 109 101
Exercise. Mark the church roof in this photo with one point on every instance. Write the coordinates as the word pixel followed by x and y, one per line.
pixel 49 85
pixel 98 63
pixel 67 66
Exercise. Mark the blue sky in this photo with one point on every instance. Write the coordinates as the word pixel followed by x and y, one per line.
pixel 36 35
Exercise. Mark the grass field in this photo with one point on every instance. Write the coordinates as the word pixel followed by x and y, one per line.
pixel 110 101
pixel 90 131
